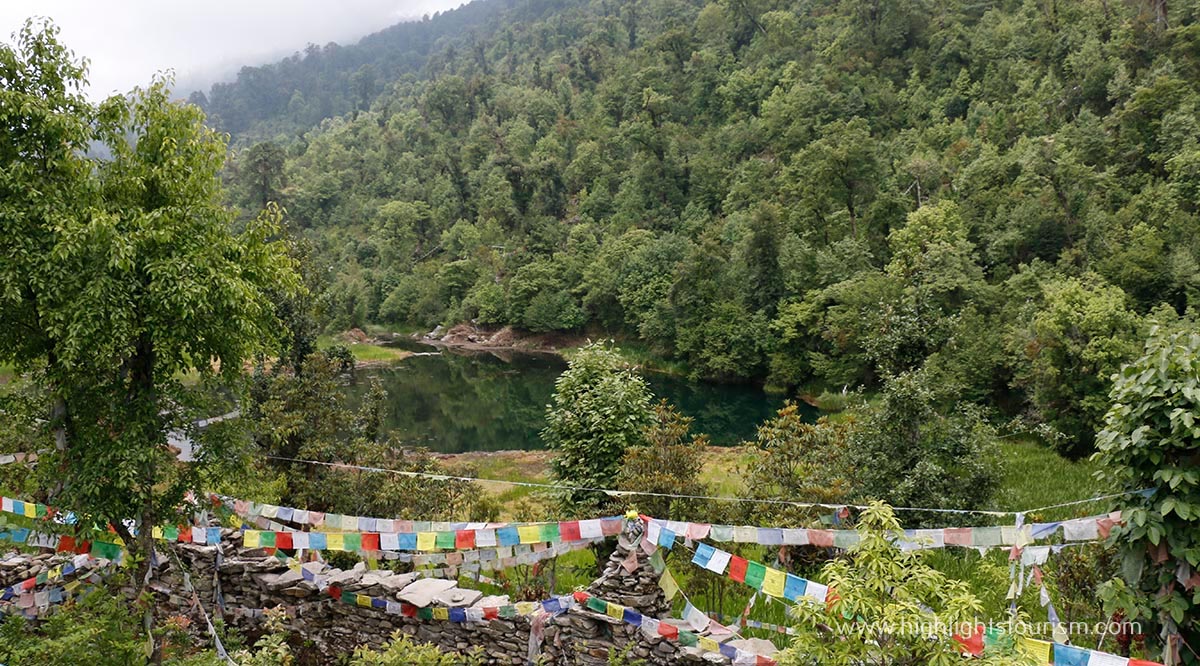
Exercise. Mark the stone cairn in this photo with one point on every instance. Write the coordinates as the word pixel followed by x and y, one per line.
pixel 237 584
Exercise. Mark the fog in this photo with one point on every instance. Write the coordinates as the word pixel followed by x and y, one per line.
pixel 127 41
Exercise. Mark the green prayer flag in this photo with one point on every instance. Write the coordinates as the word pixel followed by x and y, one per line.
pixel 352 542
pixel 550 532
pixel 996 639
pixel 687 638
pixel 424 613
pixel 266 539
pixel 755 572
pixel 656 562
pixel 349 598
pixel 171 533
pixel 445 540
pixel 597 604
pixel 508 611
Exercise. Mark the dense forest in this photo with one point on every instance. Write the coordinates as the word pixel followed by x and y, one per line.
pixel 1002 194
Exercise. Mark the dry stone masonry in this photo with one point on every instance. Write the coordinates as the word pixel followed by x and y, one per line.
pixel 238 584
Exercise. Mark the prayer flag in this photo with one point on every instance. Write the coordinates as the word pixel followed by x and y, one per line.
pixel 755 571
pixel 718 562
pixel 569 531
pixel 773 582
pixel 737 568
pixel 793 587
pixel 529 533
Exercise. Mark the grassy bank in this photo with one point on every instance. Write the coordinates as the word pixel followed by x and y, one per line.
pixel 365 352
pixel 1033 476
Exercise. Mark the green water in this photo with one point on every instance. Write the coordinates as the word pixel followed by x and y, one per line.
pixel 457 402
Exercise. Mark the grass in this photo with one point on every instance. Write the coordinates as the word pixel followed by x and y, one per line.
pixel 367 352
pixel 1035 475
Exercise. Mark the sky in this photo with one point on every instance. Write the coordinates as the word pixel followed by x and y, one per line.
pixel 127 41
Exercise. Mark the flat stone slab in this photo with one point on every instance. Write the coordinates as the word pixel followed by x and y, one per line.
pixel 755 645
pixel 422 592
pixel 492 601
pixel 457 597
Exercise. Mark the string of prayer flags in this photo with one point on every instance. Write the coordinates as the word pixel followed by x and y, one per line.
pixel 768 580
pixel 421 542
pixel 663 533
pixel 653 628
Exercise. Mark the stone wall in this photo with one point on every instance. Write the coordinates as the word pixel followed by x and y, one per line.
pixel 248 581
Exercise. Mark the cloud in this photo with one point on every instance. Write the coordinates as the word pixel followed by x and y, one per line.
pixel 127 41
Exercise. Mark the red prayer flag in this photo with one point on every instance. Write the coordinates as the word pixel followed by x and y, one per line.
pixel 1142 662
pixel 581 597
pixel 491 612
pixel 972 644
pixel 28 583
pixel 569 531
pixel 84 547
pixel 66 544
pixel 334 591
pixel 737 568
pixel 822 538
pixel 283 540
pixel 370 541
pixel 668 630
pixel 408 610
pixel 957 536
pixel 760 660
pixel 185 533
pixel 464 539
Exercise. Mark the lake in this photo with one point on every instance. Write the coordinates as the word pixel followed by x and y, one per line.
pixel 477 401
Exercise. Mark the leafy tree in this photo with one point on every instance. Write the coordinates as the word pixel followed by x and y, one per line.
pixel 910 450
pixel 601 408
pixel 668 463
pixel 1150 440
pixel 887 596
pixel 143 283
pixel 793 460
pixel 261 171
pixel 1073 345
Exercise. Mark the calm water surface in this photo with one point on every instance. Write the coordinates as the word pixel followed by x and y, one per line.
pixel 460 401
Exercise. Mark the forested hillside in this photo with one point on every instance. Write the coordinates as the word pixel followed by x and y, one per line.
pixel 1001 195
pixel 291 96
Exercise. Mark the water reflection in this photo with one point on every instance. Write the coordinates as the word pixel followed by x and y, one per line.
pixel 457 402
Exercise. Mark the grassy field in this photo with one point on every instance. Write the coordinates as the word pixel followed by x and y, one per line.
pixel 1033 476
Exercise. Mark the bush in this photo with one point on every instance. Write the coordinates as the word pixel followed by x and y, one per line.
pixel 403 651
pixel 601 407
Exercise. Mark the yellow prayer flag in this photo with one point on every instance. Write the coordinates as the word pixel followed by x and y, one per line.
pixel 773 581
pixel 1039 650
pixel 530 533
pixel 157 532
pixel 669 587
pixel 250 539
pixel 426 540
pixel 335 541
pixel 30 510
pixel 709 645
pixel 527 607
pixel 614 611
pixel 362 600
pixel 440 613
